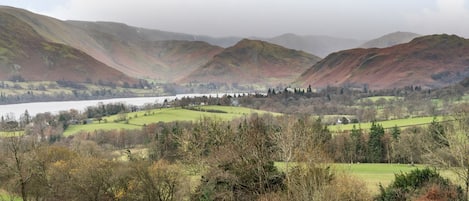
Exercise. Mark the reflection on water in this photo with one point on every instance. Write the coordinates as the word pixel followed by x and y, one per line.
pixel 15 110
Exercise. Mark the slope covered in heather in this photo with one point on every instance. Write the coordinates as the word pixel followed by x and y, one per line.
pixel 428 61
pixel 24 54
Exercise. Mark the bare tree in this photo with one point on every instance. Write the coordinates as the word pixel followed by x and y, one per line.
pixel 17 164
pixel 451 149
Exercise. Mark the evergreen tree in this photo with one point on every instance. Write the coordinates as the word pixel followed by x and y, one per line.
pixel 395 132
pixel 376 146
pixel 358 144
pixel 437 134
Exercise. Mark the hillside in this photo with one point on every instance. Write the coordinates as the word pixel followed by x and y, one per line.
pixel 429 61
pixel 253 62
pixel 316 45
pixel 389 40
pixel 131 50
pixel 24 54
pixel 130 33
pixel 140 54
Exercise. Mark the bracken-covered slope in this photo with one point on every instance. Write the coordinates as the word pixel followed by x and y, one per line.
pixel 134 51
pixel 24 53
pixel 253 62
pixel 147 53
pixel 391 39
pixel 429 61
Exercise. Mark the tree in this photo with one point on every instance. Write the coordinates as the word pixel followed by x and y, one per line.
pixel 437 134
pixel 160 181
pixel 17 162
pixel 410 146
pixel 395 132
pixel 376 147
pixel 242 169
pixel 358 145
pixel 450 148
pixel 25 119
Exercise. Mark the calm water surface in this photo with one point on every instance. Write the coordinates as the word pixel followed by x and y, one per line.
pixel 15 110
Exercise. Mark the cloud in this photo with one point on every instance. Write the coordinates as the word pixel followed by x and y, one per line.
pixel 450 16
pixel 346 18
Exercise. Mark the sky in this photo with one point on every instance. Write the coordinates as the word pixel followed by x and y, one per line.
pixel 359 19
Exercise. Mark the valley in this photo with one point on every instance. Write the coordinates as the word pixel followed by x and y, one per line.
pixel 120 112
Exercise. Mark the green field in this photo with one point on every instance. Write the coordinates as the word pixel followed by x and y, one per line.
pixel 11 134
pixel 374 174
pixel 135 120
pixel 375 98
pixel 388 124
pixel 73 129
pixel 4 196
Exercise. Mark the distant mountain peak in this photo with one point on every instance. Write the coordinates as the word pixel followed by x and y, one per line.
pixel 253 62
pixel 390 39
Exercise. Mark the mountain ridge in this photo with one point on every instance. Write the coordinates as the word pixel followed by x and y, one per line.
pixel 390 39
pixel 253 62
pixel 429 61
pixel 25 54
pixel 314 44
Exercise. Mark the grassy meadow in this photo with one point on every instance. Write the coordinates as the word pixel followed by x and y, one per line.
pixel 416 121
pixel 5 196
pixel 376 98
pixel 374 174
pixel 135 120
pixel 11 133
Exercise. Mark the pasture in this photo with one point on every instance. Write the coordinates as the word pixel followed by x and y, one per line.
pixel 135 120
pixel 5 196
pixel 416 121
pixel 11 133
pixel 376 98
pixel 374 174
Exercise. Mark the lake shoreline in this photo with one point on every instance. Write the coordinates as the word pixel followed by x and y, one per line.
pixel 14 111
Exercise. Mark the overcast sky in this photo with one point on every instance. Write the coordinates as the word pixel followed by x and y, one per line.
pixel 361 19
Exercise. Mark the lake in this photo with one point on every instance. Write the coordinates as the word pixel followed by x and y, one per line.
pixel 15 110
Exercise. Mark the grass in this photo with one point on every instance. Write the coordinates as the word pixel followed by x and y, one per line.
pixel 375 98
pixel 73 129
pixel 135 120
pixel 388 124
pixel 11 134
pixel 8 197
pixel 374 174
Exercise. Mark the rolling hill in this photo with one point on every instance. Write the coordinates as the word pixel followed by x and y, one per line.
pixel 253 62
pixel 137 52
pixel 130 33
pixel 391 39
pixel 25 54
pixel 428 61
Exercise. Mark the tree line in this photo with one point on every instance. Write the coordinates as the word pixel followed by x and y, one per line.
pixel 233 160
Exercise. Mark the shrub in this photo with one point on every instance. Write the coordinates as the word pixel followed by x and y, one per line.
pixel 425 183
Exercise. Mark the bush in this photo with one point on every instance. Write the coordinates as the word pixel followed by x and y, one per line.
pixel 425 183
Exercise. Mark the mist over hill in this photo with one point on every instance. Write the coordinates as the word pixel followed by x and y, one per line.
pixel 50 49
pixel 389 40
